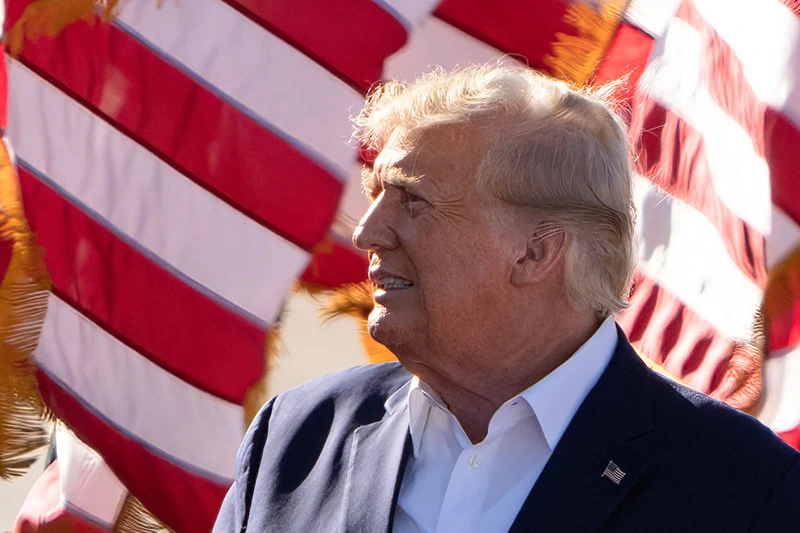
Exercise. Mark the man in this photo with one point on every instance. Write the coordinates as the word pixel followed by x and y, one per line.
pixel 500 239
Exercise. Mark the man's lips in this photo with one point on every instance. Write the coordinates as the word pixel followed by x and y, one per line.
pixel 389 284
pixel 387 281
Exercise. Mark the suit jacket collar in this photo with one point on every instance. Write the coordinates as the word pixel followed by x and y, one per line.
pixel 612 425
pixel 377 461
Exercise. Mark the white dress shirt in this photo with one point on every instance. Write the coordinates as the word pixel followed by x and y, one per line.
pixel 451 485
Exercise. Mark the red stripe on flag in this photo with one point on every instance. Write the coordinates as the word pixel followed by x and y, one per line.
pixel 350 39
pixel 671 153
pixel 774 136
pixel 44 509
pixel 201 135
pixel 3 92
pixel 792 437
pixel 335 264
pixel 6 251
pixel 794 5
pixel 664 329
pixel 14 9
pixel 508 28
pixel 186 502
pixel 626 58
pixel 139 302
pixel 781 142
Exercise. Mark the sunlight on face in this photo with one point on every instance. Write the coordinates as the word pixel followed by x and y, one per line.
pixel 440 250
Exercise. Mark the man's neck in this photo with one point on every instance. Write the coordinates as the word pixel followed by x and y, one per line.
pixel 474 401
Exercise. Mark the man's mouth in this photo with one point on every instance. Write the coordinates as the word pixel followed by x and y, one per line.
pixel 388 284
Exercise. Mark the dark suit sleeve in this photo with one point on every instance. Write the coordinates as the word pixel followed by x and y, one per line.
pixel 230 517
pixel 236 506
pixel 781 511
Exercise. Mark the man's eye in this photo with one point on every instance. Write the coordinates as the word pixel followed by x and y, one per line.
pixel 411 197
pixel 413 202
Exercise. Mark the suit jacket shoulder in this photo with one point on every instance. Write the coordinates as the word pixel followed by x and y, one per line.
pixel 733 467
pixel 696 418
pixel 307 432
pixel 681 462
pixel 361 390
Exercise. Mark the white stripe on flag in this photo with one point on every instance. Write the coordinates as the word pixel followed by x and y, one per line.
pixel 785 237
pixel 781 409
pixel 180 423
pixel 185 226
pixel 682 251
pixel 674 78
pixel 437 43
pixel 651 16
pixel 266 77
pixel 87 483
pixel 352 206
pixel 765 36
pixel 409 12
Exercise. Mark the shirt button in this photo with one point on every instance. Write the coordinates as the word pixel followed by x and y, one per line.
pixel 474 461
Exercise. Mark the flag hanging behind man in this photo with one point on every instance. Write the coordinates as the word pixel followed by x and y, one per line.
pixel 206 153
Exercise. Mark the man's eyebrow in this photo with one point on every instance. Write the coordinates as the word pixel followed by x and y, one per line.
pixel 369 181
pixel 397 180
pixel 396 177
pixel 374 179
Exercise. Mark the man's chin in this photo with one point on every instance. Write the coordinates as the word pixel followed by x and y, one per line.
pixel 388 328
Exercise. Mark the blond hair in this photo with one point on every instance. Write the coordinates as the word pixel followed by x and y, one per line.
pixel 553 150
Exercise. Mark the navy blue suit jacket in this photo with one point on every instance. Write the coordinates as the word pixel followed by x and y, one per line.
pixel 325 457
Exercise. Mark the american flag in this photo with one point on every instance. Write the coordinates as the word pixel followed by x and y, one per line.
pixel 613 472
pixel 185 163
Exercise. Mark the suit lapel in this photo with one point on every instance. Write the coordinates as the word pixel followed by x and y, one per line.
pixel 377 461
pixel 612 425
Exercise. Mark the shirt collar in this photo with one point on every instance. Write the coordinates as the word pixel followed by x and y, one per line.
pixel 397 400
pixel 556 398
pixel 418 398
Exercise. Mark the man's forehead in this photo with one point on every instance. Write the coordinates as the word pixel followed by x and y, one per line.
pixel 425 156
pixel 394 165
pixel 405 154
pixel 391 159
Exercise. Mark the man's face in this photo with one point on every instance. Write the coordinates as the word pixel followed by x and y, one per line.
pixel 440 251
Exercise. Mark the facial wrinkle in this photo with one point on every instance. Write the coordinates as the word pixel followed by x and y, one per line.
pixel 450 210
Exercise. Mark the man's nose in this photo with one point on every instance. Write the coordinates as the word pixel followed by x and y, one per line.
pixel 375 231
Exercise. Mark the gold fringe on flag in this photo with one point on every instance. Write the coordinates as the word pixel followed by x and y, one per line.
pixel 783 289
pixel 742 386
pixel 135 518
pixel 23 304
pixel 257 394
pixel 780 295
pixel 48 17
pixel 575 57
pixel 356 300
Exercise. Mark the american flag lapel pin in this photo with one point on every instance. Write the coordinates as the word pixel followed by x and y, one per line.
pixel 613 472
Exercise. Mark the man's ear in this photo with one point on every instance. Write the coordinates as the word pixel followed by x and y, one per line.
pixel 542 253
